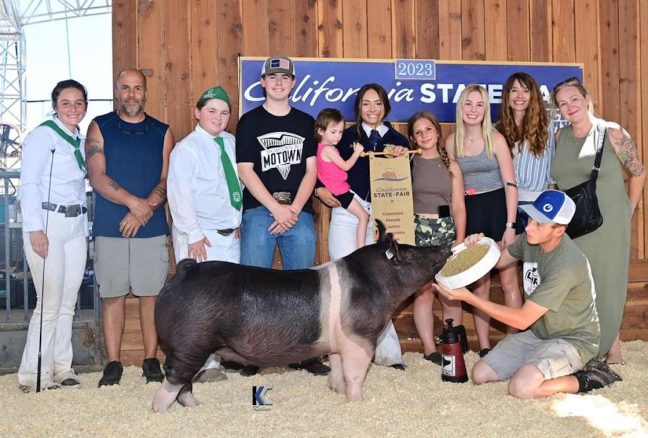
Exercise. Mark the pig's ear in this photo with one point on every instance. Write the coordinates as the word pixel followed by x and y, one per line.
pixel 381 230
pixel 393 252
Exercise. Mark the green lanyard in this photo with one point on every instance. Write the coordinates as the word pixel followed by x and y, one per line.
pixel 75 142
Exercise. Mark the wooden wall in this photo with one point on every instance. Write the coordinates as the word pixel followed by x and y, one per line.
pixel 188 46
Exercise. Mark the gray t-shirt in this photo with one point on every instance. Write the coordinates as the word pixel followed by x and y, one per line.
pixel 561 281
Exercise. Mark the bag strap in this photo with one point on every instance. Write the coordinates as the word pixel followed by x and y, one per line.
pixel 599 154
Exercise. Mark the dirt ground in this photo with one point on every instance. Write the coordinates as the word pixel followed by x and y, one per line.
pixel 411 403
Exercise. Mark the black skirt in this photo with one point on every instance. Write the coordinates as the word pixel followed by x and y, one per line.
pixel 486 213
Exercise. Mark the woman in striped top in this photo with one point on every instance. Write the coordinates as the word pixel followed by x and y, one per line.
pixel 527 128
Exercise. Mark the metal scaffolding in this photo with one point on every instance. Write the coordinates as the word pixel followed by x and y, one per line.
pixel 14 15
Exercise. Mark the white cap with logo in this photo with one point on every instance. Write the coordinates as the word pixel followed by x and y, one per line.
pixel 552 206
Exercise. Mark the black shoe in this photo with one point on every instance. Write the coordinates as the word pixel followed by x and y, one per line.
pixel 313 366
pixel 111 374
pixel 434 357
pixel 249 370
pixel 70 382
pixel 600 372
pixel 151 370
pixel 398 366
pixel 484 351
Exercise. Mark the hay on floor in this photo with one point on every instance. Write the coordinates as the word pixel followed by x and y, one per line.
pixel 415 402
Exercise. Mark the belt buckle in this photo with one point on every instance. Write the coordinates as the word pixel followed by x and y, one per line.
pixel 284 198
pixel 72 210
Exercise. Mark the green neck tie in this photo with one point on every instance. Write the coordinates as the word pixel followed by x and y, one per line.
pixel 233 185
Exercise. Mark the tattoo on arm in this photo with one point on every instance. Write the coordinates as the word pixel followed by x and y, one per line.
pixel 114 185
pixel 93 147
pixel 626 150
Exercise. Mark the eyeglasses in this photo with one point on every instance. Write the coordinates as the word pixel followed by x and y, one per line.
pixel 133 128
pixel 567 83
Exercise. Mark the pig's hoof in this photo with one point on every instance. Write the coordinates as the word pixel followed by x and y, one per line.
pixel 354 397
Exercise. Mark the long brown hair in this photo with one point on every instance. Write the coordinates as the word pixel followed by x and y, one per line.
pixel 443 153
pixel 535 124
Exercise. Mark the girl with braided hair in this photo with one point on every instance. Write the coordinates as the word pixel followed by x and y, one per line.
pixel 439 215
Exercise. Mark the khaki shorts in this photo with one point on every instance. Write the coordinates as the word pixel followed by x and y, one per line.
pixel 131 264
pixel 553 357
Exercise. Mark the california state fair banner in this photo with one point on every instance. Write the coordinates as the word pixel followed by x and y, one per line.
pixel 391 195
pixel 412 84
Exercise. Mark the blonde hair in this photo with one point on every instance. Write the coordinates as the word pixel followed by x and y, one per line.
pixel 487 125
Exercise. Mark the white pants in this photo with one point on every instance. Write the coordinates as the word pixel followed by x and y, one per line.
pixel 342 242
pixel 64 267
pixel 223 248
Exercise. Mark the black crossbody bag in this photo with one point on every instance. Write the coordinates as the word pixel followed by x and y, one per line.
pixel 587 217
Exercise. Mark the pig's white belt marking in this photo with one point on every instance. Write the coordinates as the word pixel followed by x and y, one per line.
pixel 334 307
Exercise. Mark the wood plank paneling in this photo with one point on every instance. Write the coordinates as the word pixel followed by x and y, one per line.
pixel 519 44
pixel 153 57
pixel 427 29
pixel 587 31
pixel 473 31
pixel 496 35
pixel 540 30
pixel 204 56
pixel 630 103
pixel 229 32
pixel 254 17
pixel 331 39
pixel 306 28
pixel 641 136
pixel 403 29
pixel 608 103
pixel 450 29
pixel 563 30
pixel 379 29
pixel 355 29
pixel 177 69
pixel 281 27
pixel 124 22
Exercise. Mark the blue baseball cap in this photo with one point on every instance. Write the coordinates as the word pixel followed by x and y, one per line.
pixel 552 206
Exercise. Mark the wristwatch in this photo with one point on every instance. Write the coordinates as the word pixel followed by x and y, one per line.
pixel 510 225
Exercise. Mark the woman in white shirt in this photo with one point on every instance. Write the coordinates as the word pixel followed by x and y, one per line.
pixel 55 230
pixel 205 205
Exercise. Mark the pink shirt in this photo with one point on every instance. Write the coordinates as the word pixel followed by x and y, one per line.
pixel 333 178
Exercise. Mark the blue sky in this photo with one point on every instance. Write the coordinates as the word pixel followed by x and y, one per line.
pixel 89 61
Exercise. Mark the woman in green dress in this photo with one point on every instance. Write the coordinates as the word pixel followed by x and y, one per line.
pixel 608 247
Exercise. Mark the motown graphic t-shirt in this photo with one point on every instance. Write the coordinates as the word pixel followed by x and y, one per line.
pixel 278 147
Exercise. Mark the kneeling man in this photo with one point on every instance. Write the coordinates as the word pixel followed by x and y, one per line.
pixel 561 327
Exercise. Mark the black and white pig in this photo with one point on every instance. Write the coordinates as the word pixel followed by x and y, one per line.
pixel 265 317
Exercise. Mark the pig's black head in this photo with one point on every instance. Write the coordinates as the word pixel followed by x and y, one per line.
pixel 410 267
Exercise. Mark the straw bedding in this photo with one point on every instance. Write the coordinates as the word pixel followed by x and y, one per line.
pixel 411 403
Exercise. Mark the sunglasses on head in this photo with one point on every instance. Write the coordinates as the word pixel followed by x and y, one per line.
pixel 566 83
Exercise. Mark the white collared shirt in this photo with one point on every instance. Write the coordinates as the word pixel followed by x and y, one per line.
pixel 196 187
pixel 68 180
pixel 382 129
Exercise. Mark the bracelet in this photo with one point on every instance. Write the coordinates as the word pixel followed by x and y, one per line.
pixel 510 225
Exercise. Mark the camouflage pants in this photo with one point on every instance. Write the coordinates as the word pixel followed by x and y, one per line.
pixel 434 232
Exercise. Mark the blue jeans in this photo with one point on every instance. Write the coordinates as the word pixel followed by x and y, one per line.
pixel 297 245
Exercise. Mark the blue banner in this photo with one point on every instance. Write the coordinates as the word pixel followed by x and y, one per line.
pixel 412 84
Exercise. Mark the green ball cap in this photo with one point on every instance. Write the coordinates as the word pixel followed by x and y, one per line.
pixel 216 92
